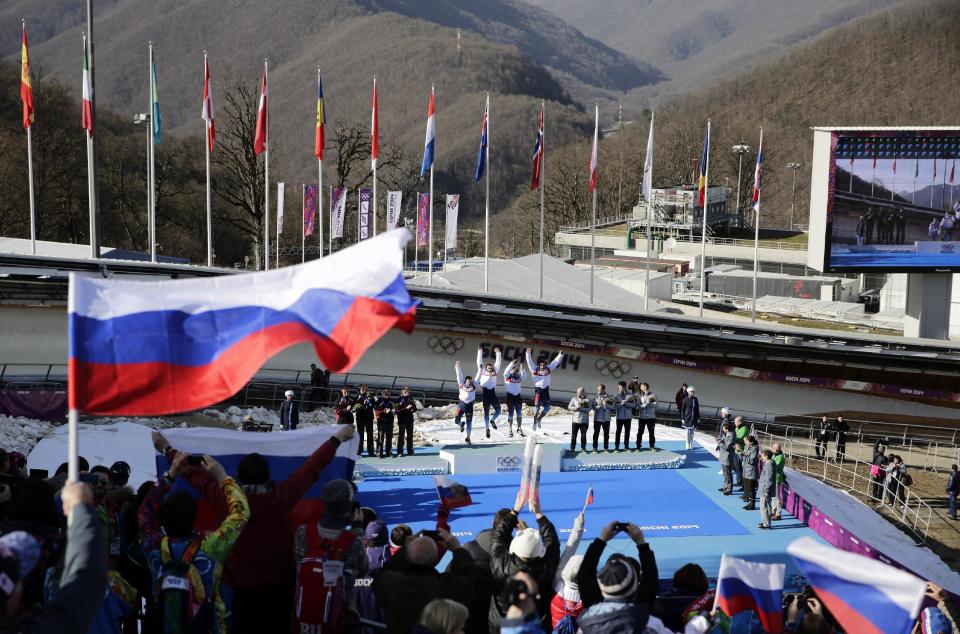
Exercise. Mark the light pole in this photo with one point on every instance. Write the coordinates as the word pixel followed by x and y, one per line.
pixel 793 196
pixel 740 149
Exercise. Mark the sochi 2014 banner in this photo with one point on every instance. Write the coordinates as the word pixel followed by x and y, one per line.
pixel 453 209
pixel 338 209
pixel 393 210
pixel 363 224
pixel 309 209
pixel 423 220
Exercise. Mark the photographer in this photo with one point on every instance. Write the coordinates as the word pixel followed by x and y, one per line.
pixel 520 594
pixel 648 580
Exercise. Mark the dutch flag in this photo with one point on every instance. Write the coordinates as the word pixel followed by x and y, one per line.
pixel 429 140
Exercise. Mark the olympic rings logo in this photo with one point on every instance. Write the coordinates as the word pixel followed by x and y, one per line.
pixel 445 344
pixel 612 367
pixel 508 461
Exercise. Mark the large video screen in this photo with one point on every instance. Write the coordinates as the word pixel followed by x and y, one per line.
pixel 893 202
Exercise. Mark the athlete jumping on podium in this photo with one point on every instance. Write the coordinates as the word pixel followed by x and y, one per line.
pixel 487 380
pixel 513 378
pixel 541 385
pixel 468 394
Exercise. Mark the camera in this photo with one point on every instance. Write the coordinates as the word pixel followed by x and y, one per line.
pixel 195 460
pixel 621 526
pixel 434 535
pixel 512 591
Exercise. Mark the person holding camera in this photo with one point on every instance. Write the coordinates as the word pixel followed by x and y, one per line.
pixel 521 595
pixel 535 551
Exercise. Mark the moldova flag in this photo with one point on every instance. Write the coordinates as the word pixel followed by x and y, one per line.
pixel 745 585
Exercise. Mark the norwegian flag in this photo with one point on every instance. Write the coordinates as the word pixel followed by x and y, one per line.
pixel 593 153
pixel 260 137
pixel 207 112
pixel 758 175
pixel 538 155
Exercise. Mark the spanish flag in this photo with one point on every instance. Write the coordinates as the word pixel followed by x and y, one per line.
pixel 704 159
pixel 26 88
pixel 320 140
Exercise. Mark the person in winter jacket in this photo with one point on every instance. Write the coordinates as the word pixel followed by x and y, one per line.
pixel 364 409
pixel 647 575
pixel 289 412
pixel 541 384
pixel 522 616
pixel 84 578
pixel 749 459
pixel 442 616
pixel 740 431
pixel 410 580
pixel 646 415
pixel 484 589
pixel 344 407
pixel 487 380
pixel 603 408
pixel 581 407
pixel 840 429
pixel 679 396
pixel 405 407
pixel 567 601
pixel 893 482
pixel 780 478
pixel 690 591
pixel 725 456
pixel 377 545
pixel 535 551
pixel 626 404
pixel 953 490
pixel 690 415
pixel 466 397
pixel 513 377
pixel 166 529
pixel 768 487
pixel 821 435
pixel 384 412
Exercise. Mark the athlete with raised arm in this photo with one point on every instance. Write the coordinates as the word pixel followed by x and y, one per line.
pixel 513 377
pixel 487 380
pixel 541 385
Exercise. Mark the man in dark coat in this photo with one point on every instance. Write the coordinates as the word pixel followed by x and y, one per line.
pixel 479 550
pixel 840 428
pixel 289 412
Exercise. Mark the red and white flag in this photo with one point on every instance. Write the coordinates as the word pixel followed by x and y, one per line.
pixel 87 108
pixel 260 137
pixel 538 155
pixel 207 112
pixel 374 128
pixel 26 85
pixel 593 154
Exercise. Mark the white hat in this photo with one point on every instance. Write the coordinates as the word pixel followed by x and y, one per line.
pixel 528 544
pixel 691 389
pixel 288 393
pixel 724 410
pixel 570 570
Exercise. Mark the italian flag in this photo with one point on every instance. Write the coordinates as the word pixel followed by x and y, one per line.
pixel 87 117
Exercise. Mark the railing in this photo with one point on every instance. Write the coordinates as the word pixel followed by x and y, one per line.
pixel 738 242
pixel 853 475
pixel 608 220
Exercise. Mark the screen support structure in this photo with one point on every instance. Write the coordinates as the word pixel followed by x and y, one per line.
pixel 927 314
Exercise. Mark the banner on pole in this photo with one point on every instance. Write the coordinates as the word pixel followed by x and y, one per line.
pixel 338 208
pixel 363 224
pixel 280 187
pixel 453 209
pixel 393 210
pixel 423 220
pixel 309 209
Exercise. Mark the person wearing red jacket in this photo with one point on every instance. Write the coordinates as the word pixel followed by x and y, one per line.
pixel 260 568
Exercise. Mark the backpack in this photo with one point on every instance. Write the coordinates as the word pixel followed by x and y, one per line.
pixel 181 597
pixel 566 625
pixel 907 480
pixel 321 600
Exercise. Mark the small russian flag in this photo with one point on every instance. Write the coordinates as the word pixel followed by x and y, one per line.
pixel 453 495
pixel 589 499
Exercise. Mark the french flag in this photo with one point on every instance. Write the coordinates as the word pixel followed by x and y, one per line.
pixel 283 451
pixel 428 142
pixel 745 585
pixel 150 348
pixel 864 595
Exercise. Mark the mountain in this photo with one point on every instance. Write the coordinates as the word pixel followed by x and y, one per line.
pixel 695 42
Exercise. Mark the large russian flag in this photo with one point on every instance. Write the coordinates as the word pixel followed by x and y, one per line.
pixel 864 595
pixel 745 585
pixel 149 348
pixel 284 451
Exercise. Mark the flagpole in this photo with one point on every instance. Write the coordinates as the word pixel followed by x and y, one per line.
pixel 320 202
pixel 303 227
pixel 266 168
pixel 593 216
pixel 543 177
pixel 373 130
pixel 486 207
pixel 916 172
pixel 703 232
pixel 91 174
pixel 277 242
pixel 647 188
pixel 943 189
pixel 430 202
pixel 756 236
pixel 207 145
pixel 330 231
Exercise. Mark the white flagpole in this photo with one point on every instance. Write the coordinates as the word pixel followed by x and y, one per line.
pixel 543 183
pixel 593 216
pixel 152 210
pixel 303 227
pixel 320 203
pixel 756 239
pixel 647 189
pixel 266 171
pixel 486 207
pixel 373 203
pixel 277 245
pixel 330 231
pixel 33 206
pixel 91 182
pixel 206 144
pixel 703 232
pixel 430 202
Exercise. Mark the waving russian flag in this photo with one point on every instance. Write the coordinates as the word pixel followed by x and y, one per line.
pixel 428 142
pixel 745 585
pixel 147 348
pixel 864 595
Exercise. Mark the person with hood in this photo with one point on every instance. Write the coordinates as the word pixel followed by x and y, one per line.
pixel 410 580
pixel 289 412
pixel 602 409
pixel 749 459
pixel 725 456
pixel 487 380
pixel 580 406
pixel 465 398
pixel 377 545
pixel 690 415
pixel 513 377
pixel 626 404
pixel 567 600
pixel 535 551
pixel 541 384
pixel 479 550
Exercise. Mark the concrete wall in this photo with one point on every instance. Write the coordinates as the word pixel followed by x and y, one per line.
pixel 894 295
pixel 39 336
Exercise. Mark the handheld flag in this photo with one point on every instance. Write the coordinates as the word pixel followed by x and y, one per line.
pixel 453 495
pixel 260 136
pixel 375 128
pixel 26 86
pixel 704 158
pixel 589 499
pixel 155 120
pixel 593 153
pixel 648 165
pixel 745 585
pixel 863 594
pixel 429 139
pixel 207 112
pixel 149 348
pixel 482 153
pixel 319 138
pixel 758 175
pixel 538 155
pixel 86 117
